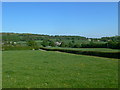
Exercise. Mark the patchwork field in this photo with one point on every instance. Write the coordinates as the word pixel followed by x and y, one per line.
pixel 49 69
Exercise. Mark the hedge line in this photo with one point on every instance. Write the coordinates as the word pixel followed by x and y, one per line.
pixel 91 53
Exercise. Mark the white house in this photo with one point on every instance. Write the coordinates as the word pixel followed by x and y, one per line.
pixel 57 43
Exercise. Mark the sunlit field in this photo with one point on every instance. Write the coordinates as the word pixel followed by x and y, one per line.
pixel 89 49
pixel 49 69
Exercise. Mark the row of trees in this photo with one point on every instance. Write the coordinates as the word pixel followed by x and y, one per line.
pixel 63 41
pixel 110 44
pixel 71 44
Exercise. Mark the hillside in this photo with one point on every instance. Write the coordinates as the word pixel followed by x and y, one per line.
pixel 26 39
pixel 29 36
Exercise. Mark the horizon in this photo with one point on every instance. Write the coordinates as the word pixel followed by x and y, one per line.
pixel 54 35
pixel 87 19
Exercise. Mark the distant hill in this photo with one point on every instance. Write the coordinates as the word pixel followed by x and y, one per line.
pixel 28 39
pixel 29 36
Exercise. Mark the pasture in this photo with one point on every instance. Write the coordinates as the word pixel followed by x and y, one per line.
pixel 49 69
pixel 89 49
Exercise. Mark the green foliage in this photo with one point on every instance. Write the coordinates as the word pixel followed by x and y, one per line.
pixel 71 44
pixel 94 45
pixel 113 39
pixel 28 37
pixel 114 45
pixel 68 41
pixel 32 43
pixel 77 46
pixel 45 43
pixel 63 44
pixel 51 43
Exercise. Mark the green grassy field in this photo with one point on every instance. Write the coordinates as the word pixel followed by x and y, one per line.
pixel 49 69
pixel 90 49
pixel 0 69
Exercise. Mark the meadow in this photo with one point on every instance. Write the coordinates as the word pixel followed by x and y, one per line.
pixel 52 69
pixel 89 49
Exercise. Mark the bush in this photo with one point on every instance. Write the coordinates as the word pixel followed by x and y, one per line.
pixel 45 43
pixel 31 43
pixel 76 46
pixel 63 44
pixel 94 45
pixel 113 45
pixel 110 44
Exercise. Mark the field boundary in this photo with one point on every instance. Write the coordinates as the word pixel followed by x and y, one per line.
pixel 115 55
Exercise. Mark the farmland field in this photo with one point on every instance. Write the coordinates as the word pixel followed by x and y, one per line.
pixel 90 49
pixel 49 69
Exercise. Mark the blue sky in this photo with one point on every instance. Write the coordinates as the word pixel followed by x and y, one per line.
pixel 89 19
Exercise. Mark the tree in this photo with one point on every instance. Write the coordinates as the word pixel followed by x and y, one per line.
pixel 77 46
pixel 45 43
pixel 63 44
pixel 51 43
pixel 31 43
pixel 71 44
pixel 114 45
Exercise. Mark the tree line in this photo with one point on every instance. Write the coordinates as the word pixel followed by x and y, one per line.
pixel 11 39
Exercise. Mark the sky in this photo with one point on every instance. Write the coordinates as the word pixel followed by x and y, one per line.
pixel 60 0
pixel 89 19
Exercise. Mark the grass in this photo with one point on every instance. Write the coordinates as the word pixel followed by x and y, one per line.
pixel 90 49
pixel 0 69
pixel 48 69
